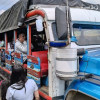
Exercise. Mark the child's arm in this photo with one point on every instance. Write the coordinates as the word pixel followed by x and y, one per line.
pixel 36 94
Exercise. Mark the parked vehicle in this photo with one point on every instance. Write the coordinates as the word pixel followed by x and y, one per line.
pixel 65 59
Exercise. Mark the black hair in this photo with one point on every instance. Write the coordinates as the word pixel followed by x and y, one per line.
pixel 21 34
pixel 18 76
pixel 4 86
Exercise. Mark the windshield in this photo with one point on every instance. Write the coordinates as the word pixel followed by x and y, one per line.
pixel 87 34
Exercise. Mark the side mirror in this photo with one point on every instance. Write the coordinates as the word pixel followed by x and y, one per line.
pixel 39 25
pixel 61 21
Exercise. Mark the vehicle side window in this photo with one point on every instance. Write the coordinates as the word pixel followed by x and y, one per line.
pixel 38 39
pixel 87 34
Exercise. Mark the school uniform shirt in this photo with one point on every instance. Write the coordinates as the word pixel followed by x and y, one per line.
pixel 13 94
pixel 2 43
pixel 11 47
pixel 21 48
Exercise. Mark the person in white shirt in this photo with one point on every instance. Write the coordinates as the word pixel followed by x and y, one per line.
pixel 2 43
pixel 21 88
pixel 21 46
pixel 11 48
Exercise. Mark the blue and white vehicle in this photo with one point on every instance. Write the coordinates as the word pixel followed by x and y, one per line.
pixel 68 69
pixel 78 63
pixel 86 30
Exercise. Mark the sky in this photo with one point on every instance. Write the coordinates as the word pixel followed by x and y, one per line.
pixel 92 1
pixel 5 4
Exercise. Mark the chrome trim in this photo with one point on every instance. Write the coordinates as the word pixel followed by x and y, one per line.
pixel 66 73
pixel 66 59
